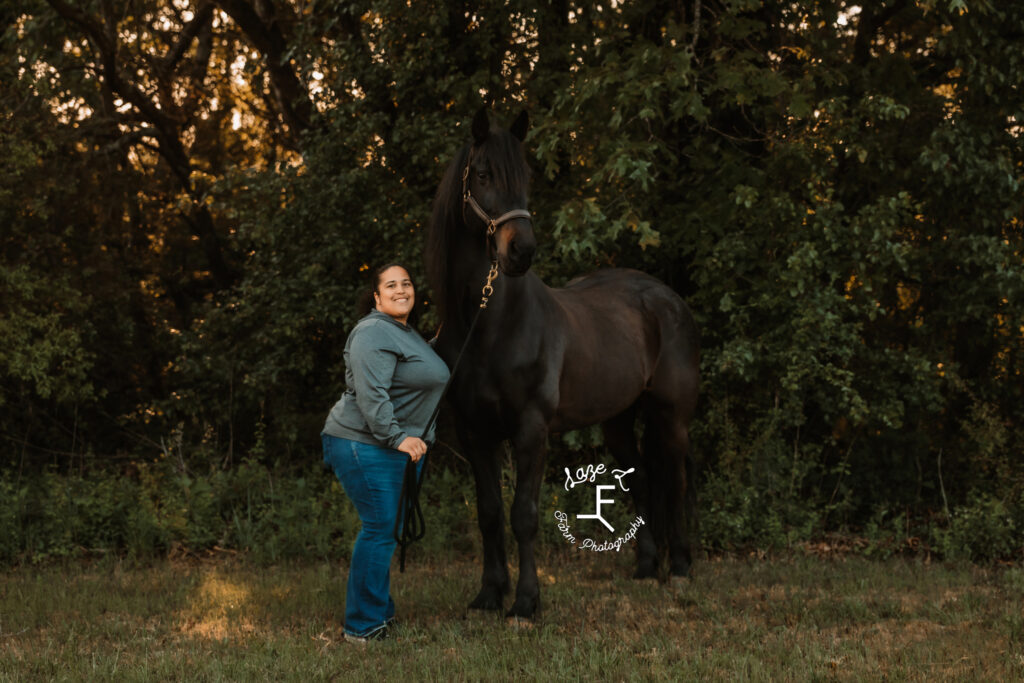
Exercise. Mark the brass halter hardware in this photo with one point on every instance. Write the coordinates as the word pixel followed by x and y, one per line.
pixel 488 289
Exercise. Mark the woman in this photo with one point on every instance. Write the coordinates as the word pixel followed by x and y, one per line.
pixel 393 381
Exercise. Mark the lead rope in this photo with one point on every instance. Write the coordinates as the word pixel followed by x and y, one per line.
pixel 409 523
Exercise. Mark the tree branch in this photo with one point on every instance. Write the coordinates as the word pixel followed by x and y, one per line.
pixel 872 19
pixel 201 23
pixel 164 128
pixel 261 27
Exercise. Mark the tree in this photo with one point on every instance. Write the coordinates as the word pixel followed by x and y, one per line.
pixel 834 186
pixel 135 110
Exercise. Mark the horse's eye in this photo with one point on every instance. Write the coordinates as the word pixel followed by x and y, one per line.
pixel 482 175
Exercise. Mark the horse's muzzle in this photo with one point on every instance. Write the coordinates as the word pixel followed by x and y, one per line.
pixel 516 246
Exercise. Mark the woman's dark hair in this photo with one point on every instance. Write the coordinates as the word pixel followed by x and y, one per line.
pixel 366 303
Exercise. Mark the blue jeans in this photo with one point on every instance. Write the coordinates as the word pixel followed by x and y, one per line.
pixel 372 479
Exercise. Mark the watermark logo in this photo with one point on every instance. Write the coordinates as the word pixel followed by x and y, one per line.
pixel 590 475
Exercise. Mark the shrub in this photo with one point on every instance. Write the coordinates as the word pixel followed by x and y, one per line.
pixel 983 529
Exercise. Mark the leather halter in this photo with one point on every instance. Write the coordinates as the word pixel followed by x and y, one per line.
pixel 492 223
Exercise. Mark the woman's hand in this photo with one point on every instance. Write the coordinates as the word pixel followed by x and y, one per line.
pixel 413 447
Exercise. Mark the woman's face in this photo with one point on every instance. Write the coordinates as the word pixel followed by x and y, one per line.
pixel 395 295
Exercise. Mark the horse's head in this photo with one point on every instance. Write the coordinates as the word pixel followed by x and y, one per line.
pixel 495 181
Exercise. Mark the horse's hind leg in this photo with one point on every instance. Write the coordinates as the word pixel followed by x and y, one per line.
pixel 621 441
pixel 494 583
pixel 673 489
pixel 686 529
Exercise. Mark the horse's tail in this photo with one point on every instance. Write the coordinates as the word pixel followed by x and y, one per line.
pixel 658 473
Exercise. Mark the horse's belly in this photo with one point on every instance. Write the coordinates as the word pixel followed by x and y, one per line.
pixel 596 394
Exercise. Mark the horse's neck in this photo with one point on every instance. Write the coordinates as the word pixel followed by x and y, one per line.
pixel 466 295
pixel 509 297
pixel 468 275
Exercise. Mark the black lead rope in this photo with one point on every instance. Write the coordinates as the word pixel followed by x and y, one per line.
pixel 409 510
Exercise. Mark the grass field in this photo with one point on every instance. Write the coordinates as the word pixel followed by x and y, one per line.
pixel 791 618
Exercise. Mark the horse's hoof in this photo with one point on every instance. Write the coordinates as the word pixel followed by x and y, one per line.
pixel 486 601
pixel 680 570
pixel 522 609
pixel 646 572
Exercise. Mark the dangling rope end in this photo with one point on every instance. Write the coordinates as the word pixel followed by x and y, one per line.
pixel 409 524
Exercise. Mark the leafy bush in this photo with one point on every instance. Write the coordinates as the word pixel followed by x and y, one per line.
pixel 155 509
pixel 983 529
pixel 276 514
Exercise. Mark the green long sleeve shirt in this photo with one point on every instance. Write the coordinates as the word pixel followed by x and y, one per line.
pixel 393 381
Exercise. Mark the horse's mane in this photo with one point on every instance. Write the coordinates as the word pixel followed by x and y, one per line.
pixel 445 219
pixel 508 170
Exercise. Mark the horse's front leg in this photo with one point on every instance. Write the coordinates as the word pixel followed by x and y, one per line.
pixel 530 446
pixel 494 583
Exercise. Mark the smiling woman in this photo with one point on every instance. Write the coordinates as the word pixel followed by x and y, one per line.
pixel 393 381
pixel 395 295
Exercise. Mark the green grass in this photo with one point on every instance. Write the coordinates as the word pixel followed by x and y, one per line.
pixel 792 618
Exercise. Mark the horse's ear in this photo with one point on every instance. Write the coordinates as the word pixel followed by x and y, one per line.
pixel 520 125
pixel 481 126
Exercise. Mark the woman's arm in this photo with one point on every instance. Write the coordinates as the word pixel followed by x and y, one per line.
pixel 373 366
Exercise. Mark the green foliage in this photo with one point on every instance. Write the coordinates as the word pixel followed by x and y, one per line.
pixel 765 509
pixel 43 352
pixel 273 514
pixel 159 510
pixel 835 189
pixel 155 509
pixel 983 529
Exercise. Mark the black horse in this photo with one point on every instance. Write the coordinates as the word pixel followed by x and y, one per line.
pixel 542 361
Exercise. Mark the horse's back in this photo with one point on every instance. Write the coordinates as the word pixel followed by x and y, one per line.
pixel 620 284
pixel 628 333
pixel 633 292
pixel 611 277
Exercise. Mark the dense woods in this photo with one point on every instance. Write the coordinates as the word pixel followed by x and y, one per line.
pixel 192 191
